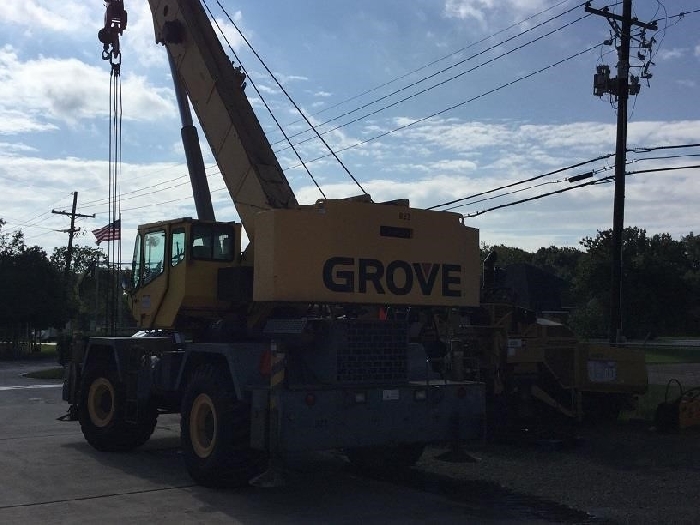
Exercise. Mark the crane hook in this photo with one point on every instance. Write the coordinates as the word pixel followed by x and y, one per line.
pixel 114 26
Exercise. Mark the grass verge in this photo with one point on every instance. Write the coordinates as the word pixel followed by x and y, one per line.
pixel 671 354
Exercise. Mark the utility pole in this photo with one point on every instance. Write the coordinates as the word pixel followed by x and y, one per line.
pixel 71 231
pixel 620 87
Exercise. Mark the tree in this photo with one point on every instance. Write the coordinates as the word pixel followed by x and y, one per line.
pixel 691 279
pixel 561 262
pixel 83 259
pixel 33 293
pixel 506 254
pixel 89 282
pixel 655 295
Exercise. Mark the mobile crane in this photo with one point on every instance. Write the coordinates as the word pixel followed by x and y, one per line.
pixel 314 337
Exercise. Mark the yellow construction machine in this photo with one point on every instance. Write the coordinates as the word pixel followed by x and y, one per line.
pixel 534 367
pixel 344 324
pixel 283 346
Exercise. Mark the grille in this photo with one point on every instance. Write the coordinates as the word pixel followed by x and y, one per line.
pixel 372 351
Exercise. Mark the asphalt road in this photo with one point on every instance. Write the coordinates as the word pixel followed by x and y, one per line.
pixel 49 474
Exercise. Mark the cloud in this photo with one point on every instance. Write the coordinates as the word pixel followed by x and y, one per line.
pixel 483 10
pixel 12 148
pixel 671 54
pixel 13 122
pixel 50 15
pixel 46 91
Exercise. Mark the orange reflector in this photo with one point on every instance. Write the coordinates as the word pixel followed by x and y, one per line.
pixel 310 399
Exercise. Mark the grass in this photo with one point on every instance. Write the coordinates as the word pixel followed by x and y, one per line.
pixel 46 350
pixel 671 354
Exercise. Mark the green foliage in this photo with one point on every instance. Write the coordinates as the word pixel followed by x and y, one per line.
pixel 506 254
pixel 671 354
pixel 83 260
pixel 33 290
pixel 661 281
pixel 588 320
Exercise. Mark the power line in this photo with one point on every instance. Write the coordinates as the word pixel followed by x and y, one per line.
pixel 432 63
pixel 98 202
pixel 436 73
pixel 442 82
pixel 524 181
pixel 566 168
pixel 570 188
pixel 457 105
pixel 642 149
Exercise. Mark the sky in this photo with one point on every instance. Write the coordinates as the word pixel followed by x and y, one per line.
pixel 430 100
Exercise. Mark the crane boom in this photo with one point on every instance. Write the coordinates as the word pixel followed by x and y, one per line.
pixel 244 156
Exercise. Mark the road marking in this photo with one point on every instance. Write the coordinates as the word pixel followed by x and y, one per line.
pixel 26 387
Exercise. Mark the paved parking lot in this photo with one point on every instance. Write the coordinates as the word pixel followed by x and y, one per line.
pixel 51 475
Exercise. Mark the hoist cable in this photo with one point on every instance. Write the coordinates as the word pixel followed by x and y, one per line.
pixel 272 75
pixel 269 109
pixel 113 200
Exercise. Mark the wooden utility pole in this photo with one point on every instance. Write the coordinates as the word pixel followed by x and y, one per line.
pixel 621 88
pixel 71 231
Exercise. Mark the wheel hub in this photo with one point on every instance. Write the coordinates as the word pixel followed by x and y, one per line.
pixel 101 402
pixel 203 426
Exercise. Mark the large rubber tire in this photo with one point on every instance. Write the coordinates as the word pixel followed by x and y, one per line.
pixel 215 432
pixel 101 411
pixel 385 457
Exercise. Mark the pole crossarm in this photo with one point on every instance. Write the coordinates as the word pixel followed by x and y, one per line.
pixel 620 18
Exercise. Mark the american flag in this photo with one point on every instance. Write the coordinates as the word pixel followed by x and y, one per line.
pixel 111 232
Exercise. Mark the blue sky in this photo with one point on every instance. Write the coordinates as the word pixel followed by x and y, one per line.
pixel 334 57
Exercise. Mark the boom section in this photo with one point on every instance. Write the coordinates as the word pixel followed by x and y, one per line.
pixel 215 87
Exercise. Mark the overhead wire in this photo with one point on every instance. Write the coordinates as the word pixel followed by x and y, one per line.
pixel 432 63
pixel 454 106
pixel 514 184
pixel 638 149
pixel 582 185
pixel 439 72
pixel 442 82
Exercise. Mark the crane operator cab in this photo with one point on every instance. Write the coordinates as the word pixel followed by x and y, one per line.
pixel 175 268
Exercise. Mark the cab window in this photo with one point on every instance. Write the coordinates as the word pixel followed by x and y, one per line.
pixel 154 255
pixel 177 246
pixel 136 264
pixel 213 242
